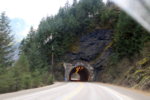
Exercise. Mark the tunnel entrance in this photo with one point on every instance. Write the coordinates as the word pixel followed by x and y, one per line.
pixel 79 73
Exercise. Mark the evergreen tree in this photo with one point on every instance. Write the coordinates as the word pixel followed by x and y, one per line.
pixel 6 41
pixel 30 47
pixel 74 2
pixel 129 37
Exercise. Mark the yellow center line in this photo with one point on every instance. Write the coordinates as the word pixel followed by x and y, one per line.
pixel 75 92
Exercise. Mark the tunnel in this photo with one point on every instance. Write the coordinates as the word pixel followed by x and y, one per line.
pixel 79 73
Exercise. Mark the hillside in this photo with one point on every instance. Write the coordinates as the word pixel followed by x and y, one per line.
pixel 114 44
pixel 96 49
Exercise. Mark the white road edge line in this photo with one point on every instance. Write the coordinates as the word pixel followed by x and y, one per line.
pixel 117 94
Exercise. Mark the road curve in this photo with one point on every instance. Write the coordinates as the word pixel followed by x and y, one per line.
pixel 78 91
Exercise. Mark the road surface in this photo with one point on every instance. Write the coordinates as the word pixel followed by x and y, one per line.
pixel 77 91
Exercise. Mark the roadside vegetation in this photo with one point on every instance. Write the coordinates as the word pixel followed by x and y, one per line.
pixel 17 75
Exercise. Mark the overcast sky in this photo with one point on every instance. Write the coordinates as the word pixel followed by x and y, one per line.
pixel 27 13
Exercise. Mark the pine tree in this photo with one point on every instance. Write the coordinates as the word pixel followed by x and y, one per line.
pixel 6 41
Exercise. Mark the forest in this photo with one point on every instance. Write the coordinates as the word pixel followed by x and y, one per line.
pixel 34 68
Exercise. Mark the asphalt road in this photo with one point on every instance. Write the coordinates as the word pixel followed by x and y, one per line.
pixel 77 91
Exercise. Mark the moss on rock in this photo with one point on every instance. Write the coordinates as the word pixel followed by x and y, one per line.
pixel 143 61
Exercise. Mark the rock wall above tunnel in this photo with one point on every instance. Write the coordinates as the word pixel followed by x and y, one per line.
pixel 90 45
pixel 94 49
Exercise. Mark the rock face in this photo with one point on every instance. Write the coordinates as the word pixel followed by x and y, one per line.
pixel 93 49
pixel 91 45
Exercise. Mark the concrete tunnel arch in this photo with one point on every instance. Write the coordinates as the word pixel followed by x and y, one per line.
pixel 85 73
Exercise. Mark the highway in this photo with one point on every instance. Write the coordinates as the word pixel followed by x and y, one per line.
pixel 77 91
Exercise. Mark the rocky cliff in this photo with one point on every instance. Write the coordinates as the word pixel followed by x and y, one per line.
pixel 93 48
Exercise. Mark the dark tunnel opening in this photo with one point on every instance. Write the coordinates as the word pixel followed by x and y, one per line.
pixel 79 73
